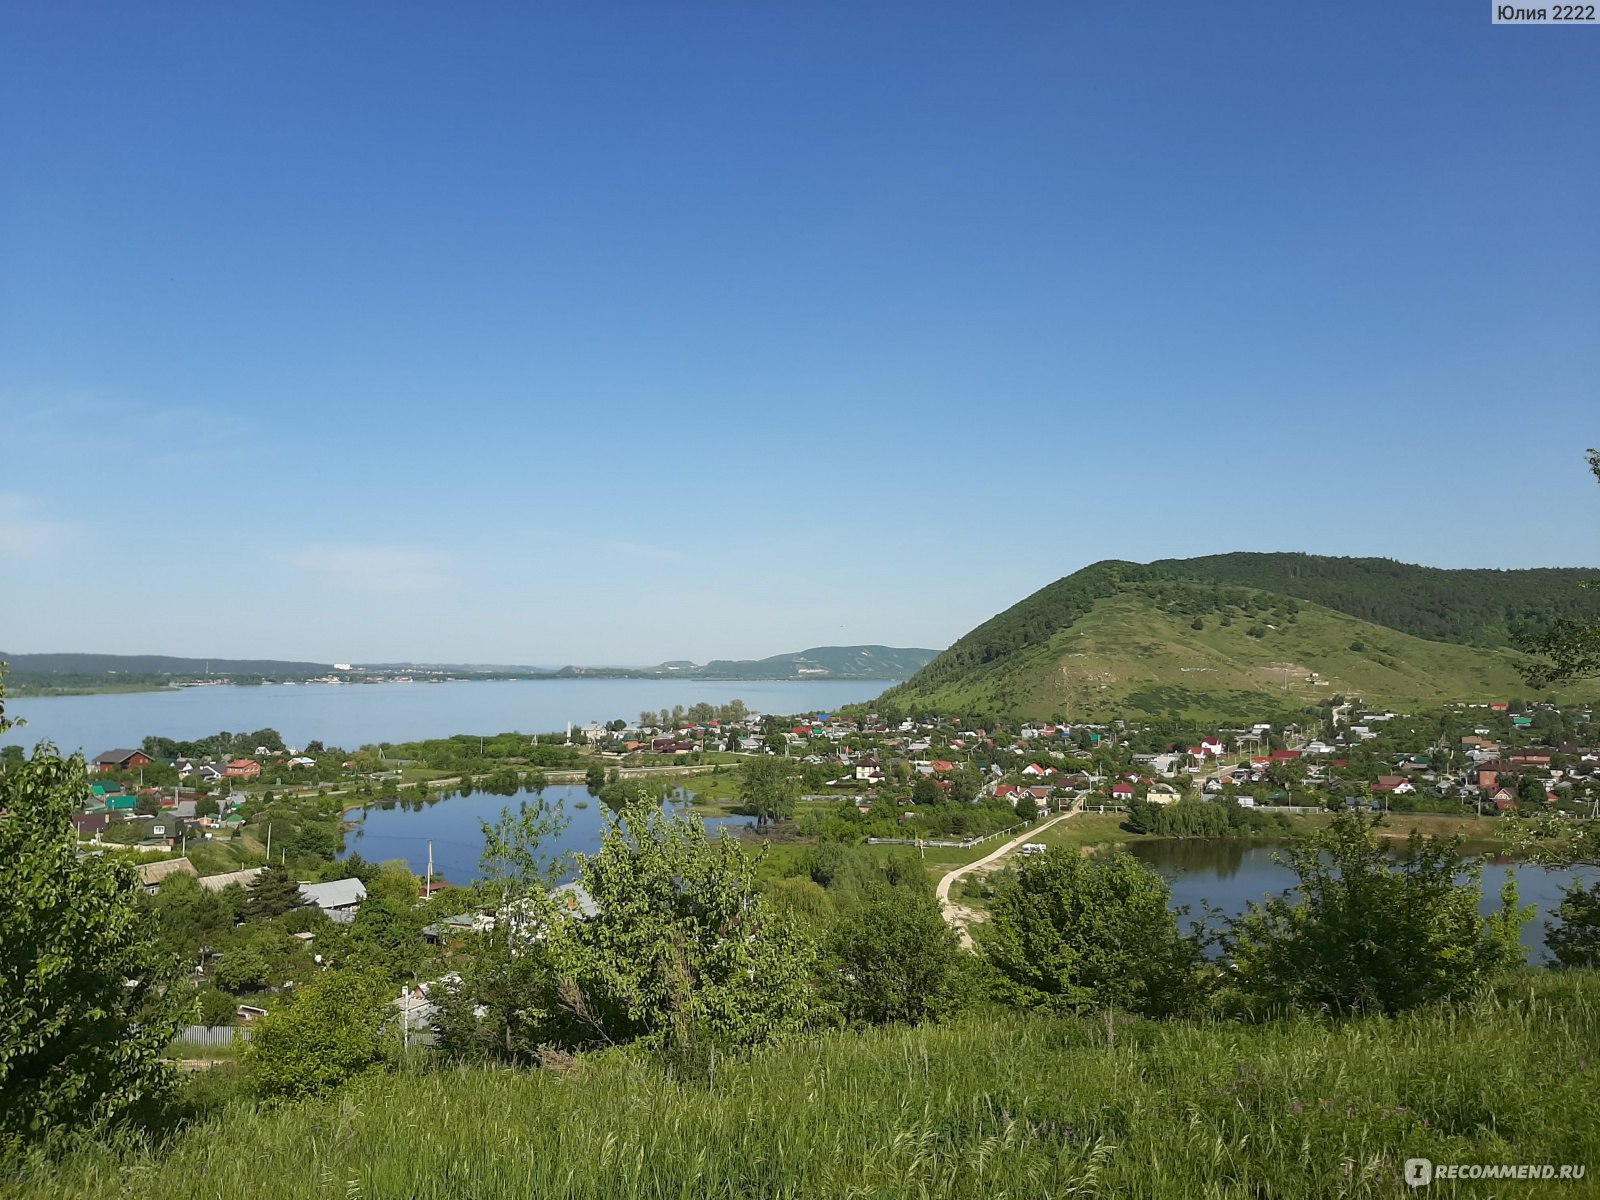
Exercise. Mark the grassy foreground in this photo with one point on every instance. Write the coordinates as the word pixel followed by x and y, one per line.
pixel 991 1106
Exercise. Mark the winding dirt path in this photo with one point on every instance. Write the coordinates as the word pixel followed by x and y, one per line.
pixel 961 917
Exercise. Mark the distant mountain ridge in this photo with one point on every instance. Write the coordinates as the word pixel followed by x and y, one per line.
pixel 155 664
pixel 826 662
pixel 819 662
pixel 97 670
pixel 1224 632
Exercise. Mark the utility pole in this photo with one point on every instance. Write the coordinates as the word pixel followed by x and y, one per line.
pixel 269 843
pixel 427 888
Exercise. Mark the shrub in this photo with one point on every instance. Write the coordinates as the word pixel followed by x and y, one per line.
pixel 1072 933
pixel 215 1007
pixel 683 953
pixel 894 958
pixel 1368 934
pixel 1575 942
pixel 329 1032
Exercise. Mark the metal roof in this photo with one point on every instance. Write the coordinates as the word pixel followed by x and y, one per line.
pixel 341 893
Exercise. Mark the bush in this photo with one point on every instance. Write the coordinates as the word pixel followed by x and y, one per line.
pixel 242 968
pixel 1072 933
pixel 329 1032
pixel 683 954
pixel 215 1007
pixel 1370 935
pixel 894 958
pixel 1575 942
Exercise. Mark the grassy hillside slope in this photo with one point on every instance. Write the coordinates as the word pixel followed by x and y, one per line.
pixel 1117 638
pixel 1129 656
pixel 985 1107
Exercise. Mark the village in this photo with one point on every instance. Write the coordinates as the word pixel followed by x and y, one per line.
pixel 1479 760
pixel 241 852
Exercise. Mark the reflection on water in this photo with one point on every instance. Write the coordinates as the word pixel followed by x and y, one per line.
pixel 1222 857
pixel 1225 874
pixel 452 823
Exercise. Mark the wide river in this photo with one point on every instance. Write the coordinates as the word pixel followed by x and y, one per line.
pixel 352 715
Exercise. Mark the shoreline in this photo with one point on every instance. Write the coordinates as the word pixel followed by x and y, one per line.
pixel 22 690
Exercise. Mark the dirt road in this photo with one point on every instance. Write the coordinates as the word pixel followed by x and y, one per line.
pixel 961 917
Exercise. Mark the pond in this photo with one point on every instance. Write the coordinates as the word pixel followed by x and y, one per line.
pixel 1228 873
pixel 450 821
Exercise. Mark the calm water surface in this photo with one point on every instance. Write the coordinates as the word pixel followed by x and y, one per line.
pixel 1227 874
pixel 451 823
pixel 352 715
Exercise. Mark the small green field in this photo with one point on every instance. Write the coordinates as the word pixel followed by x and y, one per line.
pixel 988 1106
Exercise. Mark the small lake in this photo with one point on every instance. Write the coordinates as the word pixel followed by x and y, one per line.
pixel 451 822
pixel 1228 873
pixel 353 715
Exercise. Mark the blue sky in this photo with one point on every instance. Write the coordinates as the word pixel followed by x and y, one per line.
pixel 617 333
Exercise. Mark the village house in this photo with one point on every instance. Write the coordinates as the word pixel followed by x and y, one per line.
pixel 1395 785
pixel 868 771
pixel 151 874
pixel 121 760
pixel 339 899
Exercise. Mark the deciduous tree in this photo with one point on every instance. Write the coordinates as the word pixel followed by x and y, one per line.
pixel 329 1031
pixel 892 957
pixel 84 1012
pixel 1072 933
pixel 769 788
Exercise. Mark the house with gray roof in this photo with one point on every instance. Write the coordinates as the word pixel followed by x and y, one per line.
pixel 339 899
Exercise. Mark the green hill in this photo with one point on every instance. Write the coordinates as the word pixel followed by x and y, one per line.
pixel 1197 638
pixel 819 662
pixel 1476 607
pixel 825 662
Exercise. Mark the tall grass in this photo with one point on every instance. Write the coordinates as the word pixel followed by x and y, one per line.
pixel 992 1106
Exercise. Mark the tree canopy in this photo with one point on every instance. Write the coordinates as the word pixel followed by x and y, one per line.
pixel 84 1013
pixel 1073 932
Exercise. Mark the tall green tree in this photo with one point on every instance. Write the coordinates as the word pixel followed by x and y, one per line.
pixel 1073 933
pixel 1364 933
pixel 271 894
pixel 769 788
pixel 85 1015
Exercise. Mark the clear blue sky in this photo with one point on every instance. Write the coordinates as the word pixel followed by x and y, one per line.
pixel 616 333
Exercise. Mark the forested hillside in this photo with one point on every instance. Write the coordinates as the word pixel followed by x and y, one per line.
pixel 1474 607
pixel 1193 634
